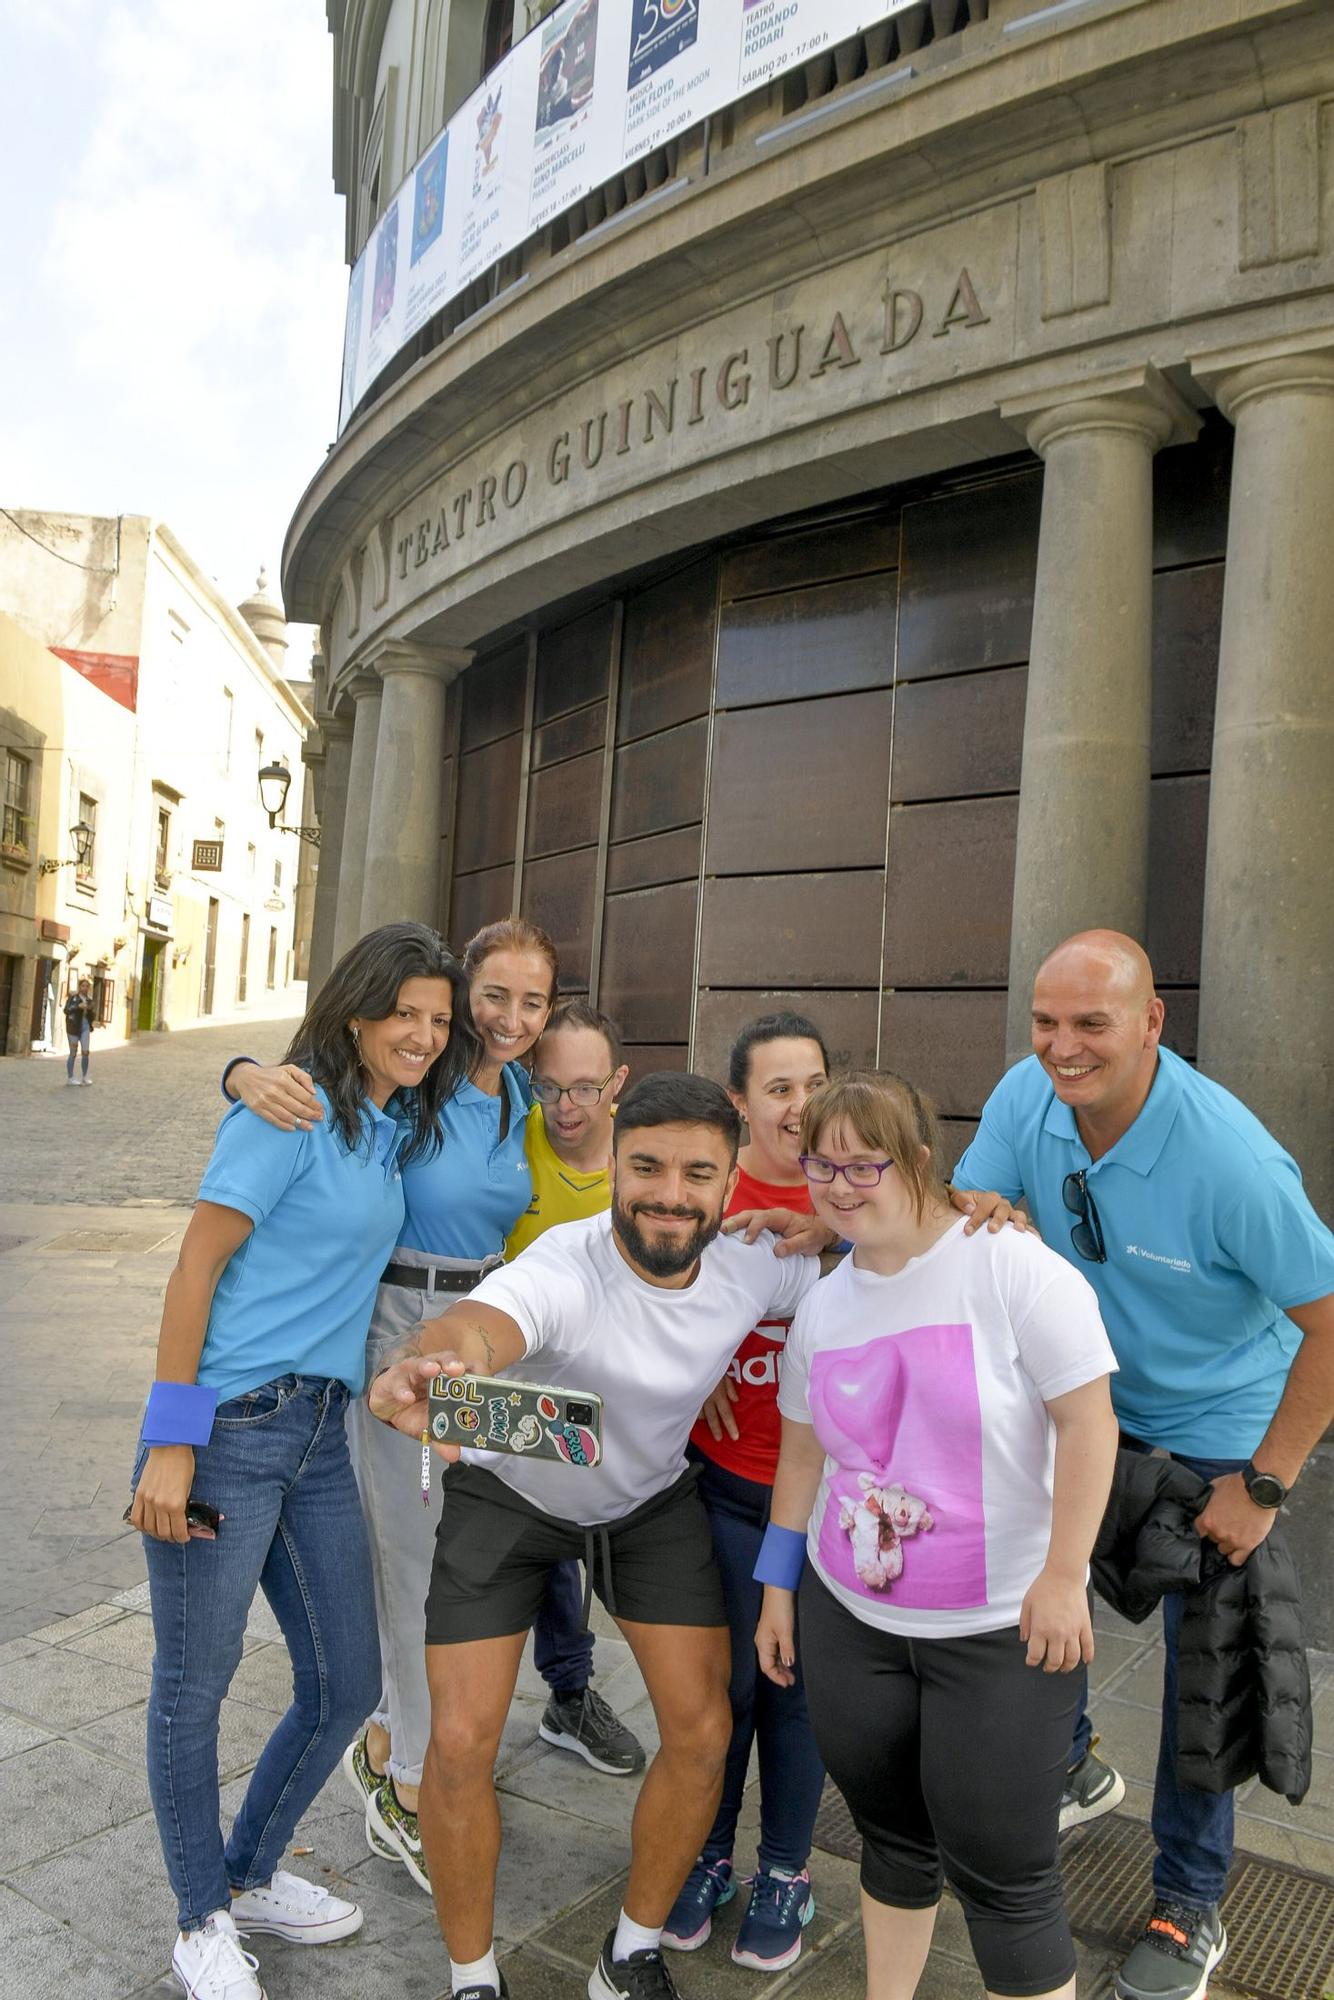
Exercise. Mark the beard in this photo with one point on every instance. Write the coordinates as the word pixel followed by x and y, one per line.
pixel 669 1259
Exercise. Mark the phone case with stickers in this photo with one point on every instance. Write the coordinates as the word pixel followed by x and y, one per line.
pixel 524 1419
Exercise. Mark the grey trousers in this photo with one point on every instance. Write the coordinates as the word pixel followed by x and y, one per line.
pixel 401 1529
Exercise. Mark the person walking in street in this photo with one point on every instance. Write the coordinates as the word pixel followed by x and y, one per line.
pixel 1216 1282
pixel 243 1479
pixel 642 1306
pixel 79 1024
pixel 462 1201
pixel 947 1449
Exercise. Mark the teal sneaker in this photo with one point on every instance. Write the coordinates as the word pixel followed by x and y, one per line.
pixel 781 1906
pixel 706 1888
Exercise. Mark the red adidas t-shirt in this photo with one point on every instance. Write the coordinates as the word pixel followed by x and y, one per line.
pixel 755 1365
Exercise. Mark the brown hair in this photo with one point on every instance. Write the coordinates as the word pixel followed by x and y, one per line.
pixel 580 1013
pixel 510 933
pixel 889 1116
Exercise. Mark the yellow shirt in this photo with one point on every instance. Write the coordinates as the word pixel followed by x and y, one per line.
pixel 559 1193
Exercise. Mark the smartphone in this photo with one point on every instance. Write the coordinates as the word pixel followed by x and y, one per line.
pixel 198 1514
pixel 492 1413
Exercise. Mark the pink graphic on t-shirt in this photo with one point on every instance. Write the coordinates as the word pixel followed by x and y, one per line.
pixel 900 1417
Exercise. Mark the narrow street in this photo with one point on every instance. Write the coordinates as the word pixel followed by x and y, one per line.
pixel 95 1187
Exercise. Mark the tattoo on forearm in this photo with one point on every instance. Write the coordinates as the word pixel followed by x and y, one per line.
pixel 407 1350
pixel 485 1339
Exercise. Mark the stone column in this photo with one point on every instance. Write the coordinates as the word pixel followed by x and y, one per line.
pixel 366 691
pixel 331 803
pixel 1083 840
pixel 1267 969
pixel 402 875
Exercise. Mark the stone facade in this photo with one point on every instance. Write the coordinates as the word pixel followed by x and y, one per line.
pixel 1061 279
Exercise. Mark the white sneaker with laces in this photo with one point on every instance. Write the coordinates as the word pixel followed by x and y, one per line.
pixel 211 1965
pixel 292 1908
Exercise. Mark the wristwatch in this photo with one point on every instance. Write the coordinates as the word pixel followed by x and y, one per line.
pixel 1265 1488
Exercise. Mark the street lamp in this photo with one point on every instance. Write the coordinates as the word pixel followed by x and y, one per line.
pixel 274 780
pixel 82 836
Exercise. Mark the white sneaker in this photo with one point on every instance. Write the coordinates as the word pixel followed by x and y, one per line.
pixel 211 1965
pixel 297 1910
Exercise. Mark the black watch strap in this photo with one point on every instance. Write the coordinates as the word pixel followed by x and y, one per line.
pixel 1265 1488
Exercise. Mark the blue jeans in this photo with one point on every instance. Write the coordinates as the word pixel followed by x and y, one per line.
pixel 791 1773
pixel 78 1045
pixel 1193 1830
pixel 562 1646
pixel 277 1467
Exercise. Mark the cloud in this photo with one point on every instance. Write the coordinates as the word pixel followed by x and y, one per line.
pixel 182 316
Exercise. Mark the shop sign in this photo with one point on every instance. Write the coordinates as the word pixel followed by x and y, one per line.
pixel 159 912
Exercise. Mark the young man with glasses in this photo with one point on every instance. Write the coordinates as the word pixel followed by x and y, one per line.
pixel 1216 1282
pixel 577 1076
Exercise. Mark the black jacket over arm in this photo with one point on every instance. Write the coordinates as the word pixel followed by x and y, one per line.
pixel 1244 1689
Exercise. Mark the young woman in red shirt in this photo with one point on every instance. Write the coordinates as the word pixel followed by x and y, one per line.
pixel 776 1063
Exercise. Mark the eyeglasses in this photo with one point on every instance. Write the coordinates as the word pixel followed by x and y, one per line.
pixel 1087 1232
pixel 861 1173
pixel 586 1094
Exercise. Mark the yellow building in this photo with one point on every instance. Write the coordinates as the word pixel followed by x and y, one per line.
pixel 136 708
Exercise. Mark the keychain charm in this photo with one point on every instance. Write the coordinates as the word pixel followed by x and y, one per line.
pixel 426 1468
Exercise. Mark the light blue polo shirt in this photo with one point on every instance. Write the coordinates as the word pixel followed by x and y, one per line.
pixel 296 1298
pixel 1209 1237
pixel 464 1200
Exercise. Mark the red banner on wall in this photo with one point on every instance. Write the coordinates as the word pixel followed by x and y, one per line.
pixel 117 674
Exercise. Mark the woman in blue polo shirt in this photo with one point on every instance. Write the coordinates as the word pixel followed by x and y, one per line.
pixel 243 1479
pixel 462 1202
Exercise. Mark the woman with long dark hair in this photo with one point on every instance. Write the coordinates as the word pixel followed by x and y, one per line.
pixel 243 1479
pixel 462 1201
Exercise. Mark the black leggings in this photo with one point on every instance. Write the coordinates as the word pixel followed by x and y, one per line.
pixel 951 1754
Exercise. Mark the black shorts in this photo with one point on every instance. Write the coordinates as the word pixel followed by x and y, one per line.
pixel 494 1552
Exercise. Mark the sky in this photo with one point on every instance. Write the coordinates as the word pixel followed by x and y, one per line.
pixel 171 309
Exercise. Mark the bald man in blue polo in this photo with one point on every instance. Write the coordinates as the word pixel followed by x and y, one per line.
pixel 1216 1281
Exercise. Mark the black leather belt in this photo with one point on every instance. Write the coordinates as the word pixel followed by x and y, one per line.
pixel 421 1281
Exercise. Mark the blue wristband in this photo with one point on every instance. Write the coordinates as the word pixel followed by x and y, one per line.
pixel 178 1413
pixel 227 1069
pixel 782 1554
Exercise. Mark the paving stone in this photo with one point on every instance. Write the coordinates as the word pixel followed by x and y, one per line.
pixel 41 1958
pixel 64 1629
pixel 58 1794
pixel 128 1642
pixel 558 1778
pixel 16 1735
pixel 1115 1658
pixel 264 1679
pixel 242 1734
pixel 64 1688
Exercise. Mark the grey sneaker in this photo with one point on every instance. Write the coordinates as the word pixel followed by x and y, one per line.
pixel 1091 1789
pixel 585 1724
pixel 1179 1949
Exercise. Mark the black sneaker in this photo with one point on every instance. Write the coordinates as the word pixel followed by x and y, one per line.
pixel 642 1976
pixel 585 1724
pixel 483 1992
pixel 1179 1949
pixel 1091 1789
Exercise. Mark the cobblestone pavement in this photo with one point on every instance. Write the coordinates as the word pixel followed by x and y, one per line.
pixel 142 1129
pixel 84 1904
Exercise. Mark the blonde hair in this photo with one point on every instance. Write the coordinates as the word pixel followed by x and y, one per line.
pixel 888 1116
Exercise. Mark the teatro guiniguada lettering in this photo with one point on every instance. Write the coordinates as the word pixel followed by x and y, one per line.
pixel 709 392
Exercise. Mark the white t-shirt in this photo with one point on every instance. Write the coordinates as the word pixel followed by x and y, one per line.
pixel 651 1354
pixel 926 1390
